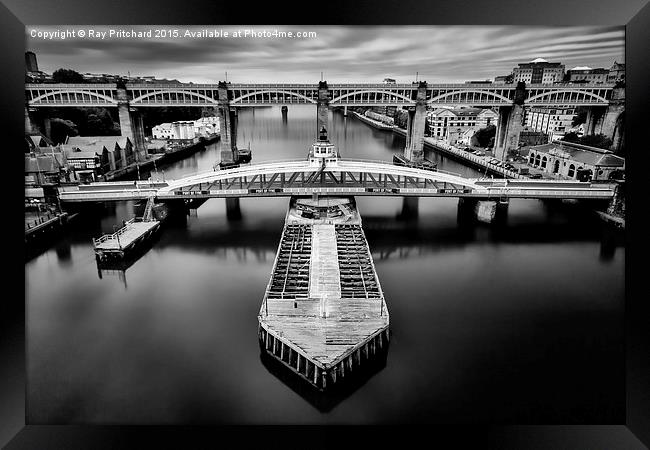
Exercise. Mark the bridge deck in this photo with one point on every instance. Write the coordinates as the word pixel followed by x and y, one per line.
pixel 343 177
pixel 342 319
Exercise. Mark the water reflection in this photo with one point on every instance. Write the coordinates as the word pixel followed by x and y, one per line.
pixel 326 401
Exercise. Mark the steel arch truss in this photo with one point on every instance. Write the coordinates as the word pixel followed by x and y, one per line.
pixel 44 95
pixel 341 179
pixel 178 97
pixel 477 97
pixel 274 96
pixel 575 97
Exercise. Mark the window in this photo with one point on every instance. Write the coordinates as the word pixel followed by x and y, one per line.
pixel 572 170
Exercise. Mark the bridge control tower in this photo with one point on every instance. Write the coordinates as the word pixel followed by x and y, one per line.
pixel 323 151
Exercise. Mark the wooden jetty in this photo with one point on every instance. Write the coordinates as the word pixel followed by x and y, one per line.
pixel 129 237
pixel 323 315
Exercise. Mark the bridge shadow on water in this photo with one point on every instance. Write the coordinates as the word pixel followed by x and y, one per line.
pixel 325 400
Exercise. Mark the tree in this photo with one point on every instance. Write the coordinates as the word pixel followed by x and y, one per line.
pixel 592 140
pixel 401 118
pixel 208 111
pixel 61 128
pixel 485 136
pixel 596 140
pixel 580 117
pixel 67 76
pixel 571 137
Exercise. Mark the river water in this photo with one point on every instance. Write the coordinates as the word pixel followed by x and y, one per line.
pixel 518 323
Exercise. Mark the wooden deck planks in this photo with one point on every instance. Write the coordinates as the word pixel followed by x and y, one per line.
pixel 133 232
pixel 328 326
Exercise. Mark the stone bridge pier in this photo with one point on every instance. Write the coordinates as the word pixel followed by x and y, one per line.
pixel 472 210
pixel 322 106
pixel 233 209
pixel 131 124
pixel 410 208
pixel 414 150
pixel 612 123
pixel 609 120
pixel 228 123
pixel 511 122
pixel 37 122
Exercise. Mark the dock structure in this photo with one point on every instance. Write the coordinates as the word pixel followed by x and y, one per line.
pixel 126 239
pixel 323 315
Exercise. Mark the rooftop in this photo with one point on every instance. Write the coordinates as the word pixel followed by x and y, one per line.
pixel 43 163
pixel 582 153
pixel 97 141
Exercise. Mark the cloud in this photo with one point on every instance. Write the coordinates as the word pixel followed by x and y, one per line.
pixel 343 53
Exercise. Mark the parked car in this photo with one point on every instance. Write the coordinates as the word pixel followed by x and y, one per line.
pixel 536 176
pixel 479 153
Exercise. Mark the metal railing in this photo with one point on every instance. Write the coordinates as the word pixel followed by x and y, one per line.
pixel 114 236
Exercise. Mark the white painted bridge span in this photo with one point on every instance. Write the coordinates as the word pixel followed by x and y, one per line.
pixel 339 177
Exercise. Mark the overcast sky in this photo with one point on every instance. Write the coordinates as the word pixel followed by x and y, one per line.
pixel 344 54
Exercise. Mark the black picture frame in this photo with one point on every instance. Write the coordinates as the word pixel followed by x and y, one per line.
pixel 634 14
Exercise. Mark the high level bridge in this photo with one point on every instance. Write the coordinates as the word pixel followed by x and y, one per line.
pixel 604 102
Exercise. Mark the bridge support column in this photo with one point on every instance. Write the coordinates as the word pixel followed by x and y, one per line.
pixel 612 123
pixel 511 122
pixel 466 210
pixel 414 150
pixel 131 125
pixel 233 211
pixel 228 123
pixel 345 111
pixel 37 122
pixel 47 127
pixel 594 117
pixel 29 127
pixel 322 106
pixel 169 208
pixel 410 208
pixel 490 211
pixel 138 134
pixel 616 205
pixel 486 211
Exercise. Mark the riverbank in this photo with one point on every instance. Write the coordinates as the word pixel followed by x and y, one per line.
pixel 618 222
pixel 175 153
pixel 119 174
pixel 478 162
pixel 42 228
pixel 169 156
pixel 373 123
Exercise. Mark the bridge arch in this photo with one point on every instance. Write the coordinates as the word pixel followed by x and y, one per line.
pixel 368 91
pixel 73 91
pixel 190 93
pixel 294 94
pixel 292 168
pixel 560 91
pixel 494 95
